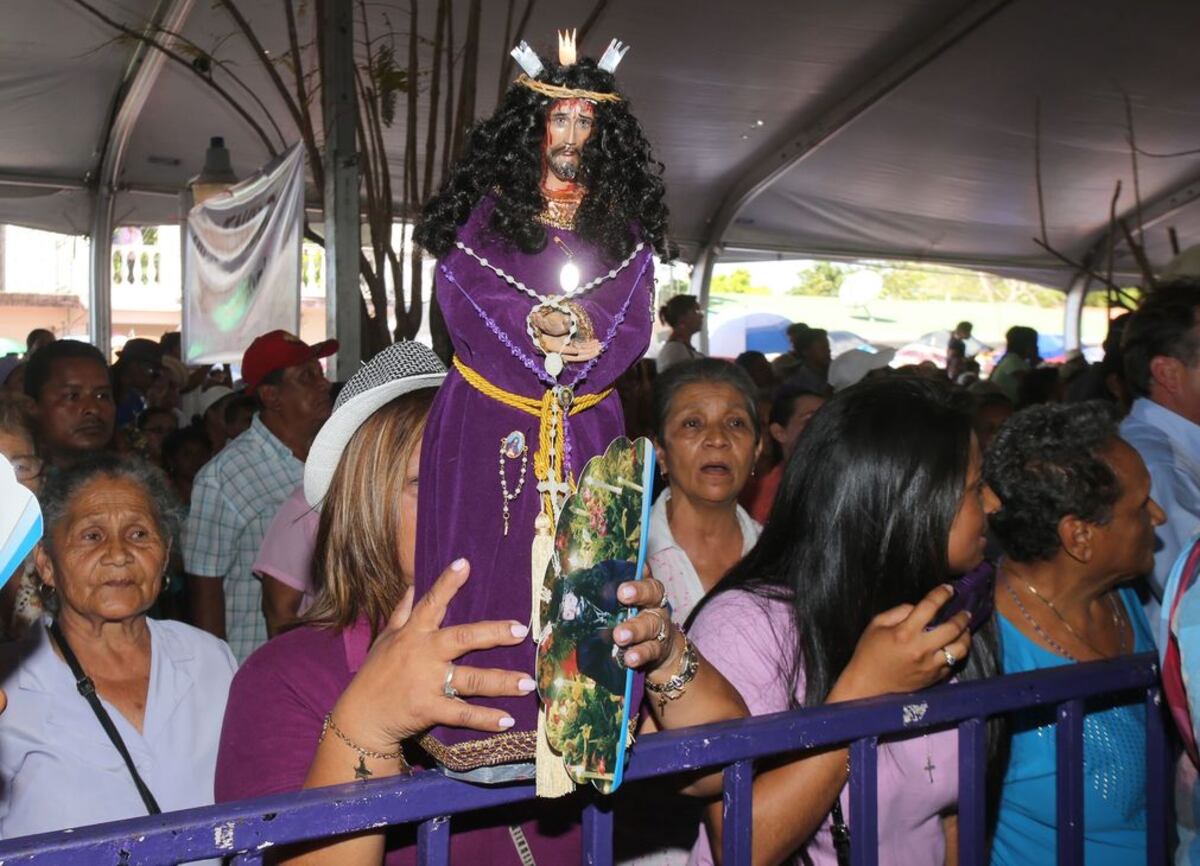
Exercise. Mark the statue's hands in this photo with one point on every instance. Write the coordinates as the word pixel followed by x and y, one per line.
pixel 578 352
pixel 550 323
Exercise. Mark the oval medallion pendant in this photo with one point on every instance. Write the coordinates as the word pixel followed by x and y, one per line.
pixel 514 445
pixel 554 364
pixel 568 277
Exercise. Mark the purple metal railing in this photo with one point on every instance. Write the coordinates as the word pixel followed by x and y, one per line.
pixel 247 828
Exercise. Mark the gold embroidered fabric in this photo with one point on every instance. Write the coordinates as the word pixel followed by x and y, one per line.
pixel 559 213
pixel 510 748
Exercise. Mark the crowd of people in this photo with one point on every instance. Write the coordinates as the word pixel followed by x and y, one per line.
pixel 815 582
pixel 281 583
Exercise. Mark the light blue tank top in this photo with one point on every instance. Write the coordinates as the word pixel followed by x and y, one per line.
pixel 1114 767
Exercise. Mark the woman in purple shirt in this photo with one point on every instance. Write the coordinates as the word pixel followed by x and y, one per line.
pixel 330 701
pixel 881 506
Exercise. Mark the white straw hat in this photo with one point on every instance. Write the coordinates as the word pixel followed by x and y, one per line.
pixel 210 397
pixel 400 368
pixel 849 368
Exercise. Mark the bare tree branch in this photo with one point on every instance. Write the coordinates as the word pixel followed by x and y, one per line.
pixel 1077 266
pixel 594 16
pixel 448 130
pixel 1037 168
pixel 1139 255
pixel 1137 187
pixel 306 125
pixel 1112 231
pixel 470 67
pixel 226 68
pixel 1170 155
pixel 183 61
pixel 434 101
pixel 507 64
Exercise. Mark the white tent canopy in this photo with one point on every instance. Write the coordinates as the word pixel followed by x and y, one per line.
pixel 889 128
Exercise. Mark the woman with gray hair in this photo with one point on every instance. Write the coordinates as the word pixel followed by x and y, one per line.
pixel 112 714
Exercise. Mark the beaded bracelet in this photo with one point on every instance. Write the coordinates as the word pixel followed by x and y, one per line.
pixel 673 689
pixel 361 772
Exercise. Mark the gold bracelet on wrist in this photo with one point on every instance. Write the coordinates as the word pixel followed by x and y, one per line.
pixel 673 689
pixel 360 771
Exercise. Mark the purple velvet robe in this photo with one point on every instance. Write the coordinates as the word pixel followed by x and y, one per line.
pixel 460 504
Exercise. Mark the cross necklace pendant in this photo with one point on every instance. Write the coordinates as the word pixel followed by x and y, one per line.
pixel 929 766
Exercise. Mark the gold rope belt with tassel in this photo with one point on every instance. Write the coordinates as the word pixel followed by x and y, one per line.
pixel 549 410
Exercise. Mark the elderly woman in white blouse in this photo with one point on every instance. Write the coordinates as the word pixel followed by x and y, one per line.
pixel 708 438
pixel 159 687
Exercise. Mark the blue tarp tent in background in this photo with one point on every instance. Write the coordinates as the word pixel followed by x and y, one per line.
pixel 761 332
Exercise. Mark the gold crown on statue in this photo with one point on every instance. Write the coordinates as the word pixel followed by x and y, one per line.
pixel 532 65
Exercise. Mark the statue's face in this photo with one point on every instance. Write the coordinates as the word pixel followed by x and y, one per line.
pixel 569 124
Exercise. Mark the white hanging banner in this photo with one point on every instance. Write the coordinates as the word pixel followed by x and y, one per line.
pixel 241 263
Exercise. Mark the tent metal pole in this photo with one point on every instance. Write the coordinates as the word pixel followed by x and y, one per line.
pixel 343 227
pixel 1073 312
pixel 702 273
pixel 138 81
pixel 100 282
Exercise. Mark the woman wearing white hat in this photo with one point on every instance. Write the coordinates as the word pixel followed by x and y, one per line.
pixel 330 700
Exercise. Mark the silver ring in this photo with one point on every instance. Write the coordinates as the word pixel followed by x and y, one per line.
pixel 447 688
pixel 951 661
pixel 662 602
pixel 664 629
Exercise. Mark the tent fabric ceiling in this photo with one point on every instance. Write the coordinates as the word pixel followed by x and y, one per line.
pixel 939 168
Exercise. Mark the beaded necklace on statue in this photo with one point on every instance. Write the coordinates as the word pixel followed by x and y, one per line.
pixel 531 364
pixel 1055 645
pixel 567 292
pixel 568 282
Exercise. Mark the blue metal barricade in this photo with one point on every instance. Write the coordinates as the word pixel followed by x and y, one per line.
pixel 247 828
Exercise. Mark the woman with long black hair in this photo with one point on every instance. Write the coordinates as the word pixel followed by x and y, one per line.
pixel 881 506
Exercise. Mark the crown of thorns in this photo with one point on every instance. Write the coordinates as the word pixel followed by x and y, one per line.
pixel 532 64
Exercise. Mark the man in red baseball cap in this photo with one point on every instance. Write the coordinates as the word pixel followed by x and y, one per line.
pixel 236 494
pixel 275 352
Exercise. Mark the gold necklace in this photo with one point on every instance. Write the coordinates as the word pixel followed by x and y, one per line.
pixel 1113 609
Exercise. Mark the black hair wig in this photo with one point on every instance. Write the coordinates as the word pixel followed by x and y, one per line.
pixel 504 152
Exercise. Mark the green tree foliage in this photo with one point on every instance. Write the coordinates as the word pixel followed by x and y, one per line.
pixel 822 280
pixel 737 283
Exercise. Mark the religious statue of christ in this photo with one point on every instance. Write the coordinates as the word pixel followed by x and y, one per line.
pixel 544 232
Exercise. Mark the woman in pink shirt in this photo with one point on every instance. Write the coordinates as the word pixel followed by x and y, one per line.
pixel 881 506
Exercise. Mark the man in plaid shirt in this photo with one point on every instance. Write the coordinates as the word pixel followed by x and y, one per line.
pixel 236 494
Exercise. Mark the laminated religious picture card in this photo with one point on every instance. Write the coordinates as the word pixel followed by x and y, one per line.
pixel 545 234
pixel 599 543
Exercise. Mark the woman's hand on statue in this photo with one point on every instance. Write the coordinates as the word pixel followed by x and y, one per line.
pixel 897 654
pixel 649 639
pixel 551 323
pixel 409 683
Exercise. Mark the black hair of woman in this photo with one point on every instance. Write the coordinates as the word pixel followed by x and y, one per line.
pixel 862 524
pixel 672 312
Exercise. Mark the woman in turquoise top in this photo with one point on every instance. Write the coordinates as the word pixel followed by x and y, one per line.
pixel 1076 520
